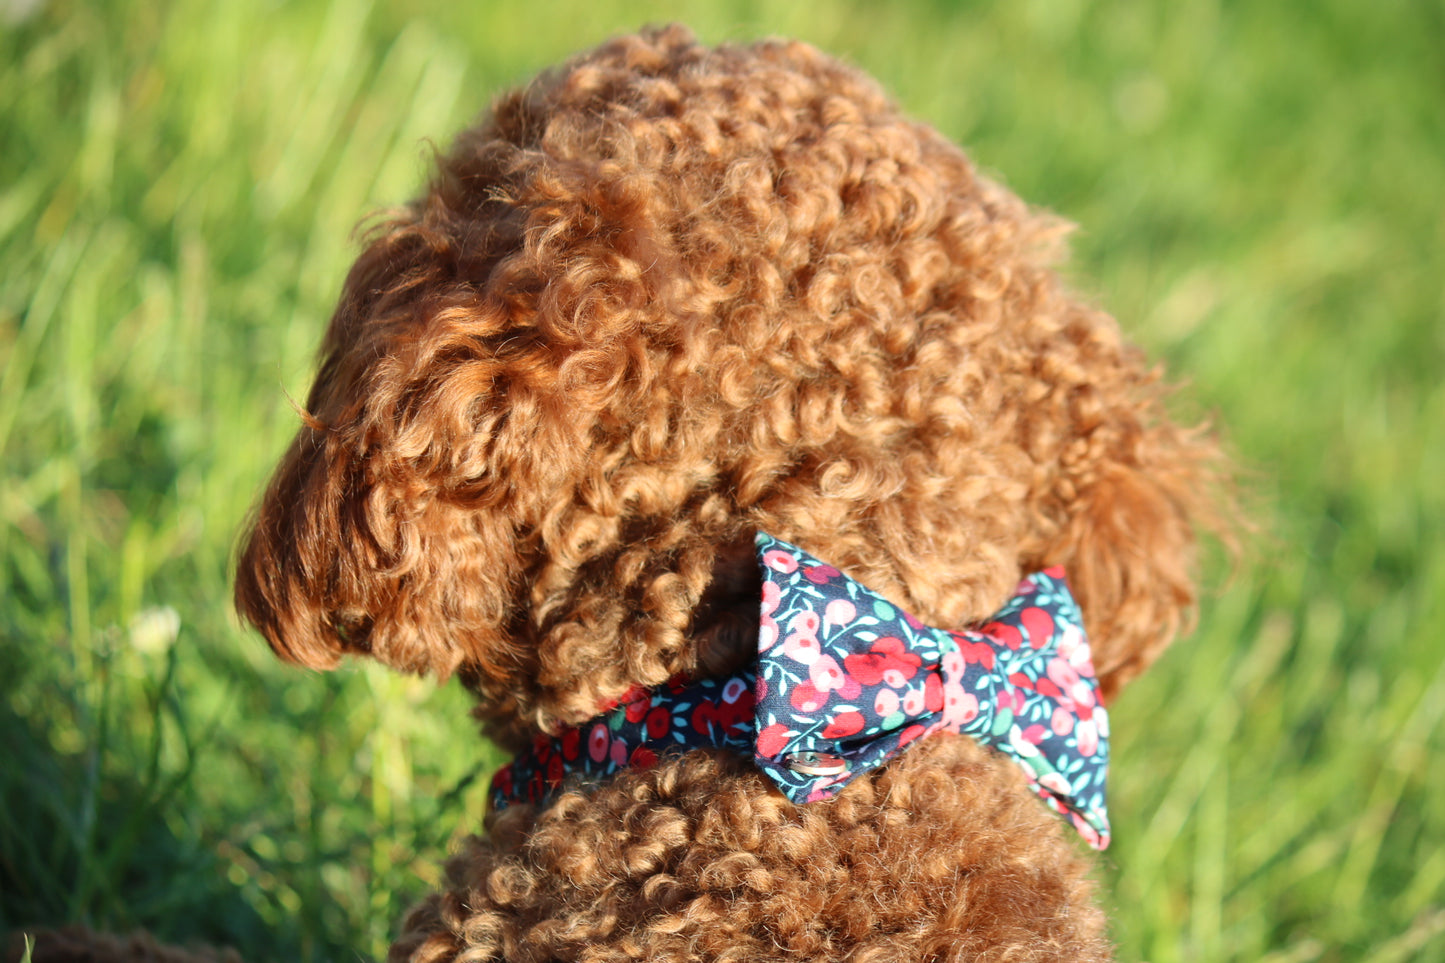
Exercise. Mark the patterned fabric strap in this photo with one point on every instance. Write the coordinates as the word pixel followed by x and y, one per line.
pixel 845 680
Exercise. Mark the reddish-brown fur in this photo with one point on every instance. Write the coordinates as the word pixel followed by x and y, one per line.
pixel 662 298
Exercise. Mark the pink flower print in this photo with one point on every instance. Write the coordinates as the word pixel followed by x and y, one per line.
pixel 959 707
pixel 1039 625
pixel 1087 734
pixel 1062 722
pixel 913 702
pixel 839 612
pixel 806 698
pixel 820 574
pixel 780 561
pixel 952 664
pixel 597 741
pixel 802 648
pixel 886 702
pixel 1072 688
pixel 826 674
pixel 767 633
pixel 772 595
pixel 805 622
pixel 1011 699
pixel 619 752
pixel 1035 733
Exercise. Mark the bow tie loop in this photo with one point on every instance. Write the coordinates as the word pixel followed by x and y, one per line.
pixel 846 677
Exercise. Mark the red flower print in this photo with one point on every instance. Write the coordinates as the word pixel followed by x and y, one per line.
pixel 1046 687
pixel 1039 624
pixel 642 758
pixel 637 707
pixel 597 741
pixel 1007 634
pixel 619 752
pixel 1035 733
pixel 886 660
pixel 909 734
pixel 658 722
pixel 977 652
pixel 933 693
pixel 844 724
pixel 820 574
pixel 772 740
pixel 805 698
pixel 554 771
pixel 571 743
pixel 733 690
pixel 728 716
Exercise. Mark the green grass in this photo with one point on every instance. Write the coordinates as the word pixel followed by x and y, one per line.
pixel 1260 188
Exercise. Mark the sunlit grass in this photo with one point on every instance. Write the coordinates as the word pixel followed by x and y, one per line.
pixel 1260 189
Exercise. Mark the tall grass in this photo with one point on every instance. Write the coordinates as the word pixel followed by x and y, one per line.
pixel 1261 189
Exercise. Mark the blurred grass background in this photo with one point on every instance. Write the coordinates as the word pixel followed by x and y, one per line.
pixel 1261 188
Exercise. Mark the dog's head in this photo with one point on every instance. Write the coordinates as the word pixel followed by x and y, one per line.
pixel 667 296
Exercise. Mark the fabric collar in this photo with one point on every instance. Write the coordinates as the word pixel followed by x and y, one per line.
pixel 845 680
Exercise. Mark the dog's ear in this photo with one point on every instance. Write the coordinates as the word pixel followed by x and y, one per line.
pixel 373 537
pixel 1131 495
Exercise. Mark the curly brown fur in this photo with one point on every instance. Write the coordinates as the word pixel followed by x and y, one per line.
pixel 696 860
pixel 663 298
pixel 670 295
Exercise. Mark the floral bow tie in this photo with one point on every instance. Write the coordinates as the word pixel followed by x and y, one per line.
pixel 844 680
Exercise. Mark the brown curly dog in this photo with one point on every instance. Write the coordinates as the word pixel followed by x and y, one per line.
pixel 663 298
